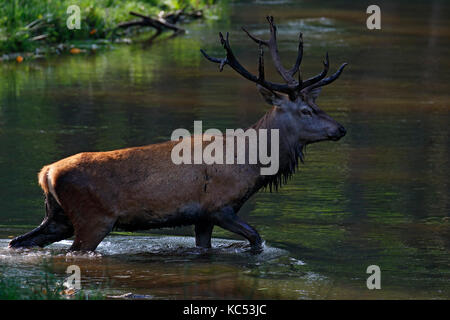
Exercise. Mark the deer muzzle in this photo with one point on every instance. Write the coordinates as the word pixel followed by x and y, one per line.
pixel 337 134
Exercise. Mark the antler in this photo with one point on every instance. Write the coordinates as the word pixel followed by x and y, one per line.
pixel 292 87
pixel 231 60
pixel 325 81
pixel 273 47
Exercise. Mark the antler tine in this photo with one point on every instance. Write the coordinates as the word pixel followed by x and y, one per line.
pixel 261 64
pixel 257 40
pixel 326 81
pixel 273 46
pixel 296 66
pixel 231 60
pixel 320 76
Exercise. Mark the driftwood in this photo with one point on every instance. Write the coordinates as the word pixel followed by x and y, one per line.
pixel 158 23
pixel 173 17
pixel 40 37
pixel 34 24
pixel 161 22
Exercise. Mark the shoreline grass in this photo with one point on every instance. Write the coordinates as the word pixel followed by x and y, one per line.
pixel 49 287
pixel 33 26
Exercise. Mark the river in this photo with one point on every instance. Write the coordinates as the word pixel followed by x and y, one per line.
pixel 379 196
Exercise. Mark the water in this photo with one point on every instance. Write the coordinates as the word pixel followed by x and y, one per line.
pixel 379 196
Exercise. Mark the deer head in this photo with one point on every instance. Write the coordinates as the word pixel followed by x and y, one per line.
pixel 295 105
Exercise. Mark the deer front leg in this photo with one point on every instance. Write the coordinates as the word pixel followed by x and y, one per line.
pixel 227 219
pixel 203 231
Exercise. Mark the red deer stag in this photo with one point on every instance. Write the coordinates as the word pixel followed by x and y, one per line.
pixel 89 194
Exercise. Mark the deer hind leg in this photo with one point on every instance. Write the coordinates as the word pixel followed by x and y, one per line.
pixel 90 232
pixel 91 219
pixel 227 219
pixel 55 227
pixel 203 232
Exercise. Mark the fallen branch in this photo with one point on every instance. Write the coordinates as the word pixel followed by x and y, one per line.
pixel 34 23
pixel 40 37
pixel 173 17
pixel 132 24
pixel 159 23
pixel 197 14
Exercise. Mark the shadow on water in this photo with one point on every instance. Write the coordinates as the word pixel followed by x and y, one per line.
pixel 379 196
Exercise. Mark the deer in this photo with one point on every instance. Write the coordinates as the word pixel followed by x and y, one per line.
pixel 89 194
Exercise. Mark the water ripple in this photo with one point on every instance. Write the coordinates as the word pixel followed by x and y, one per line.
pixel 171 247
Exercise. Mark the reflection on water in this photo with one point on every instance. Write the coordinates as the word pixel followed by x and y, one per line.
pixel 379 196
pixel 171 266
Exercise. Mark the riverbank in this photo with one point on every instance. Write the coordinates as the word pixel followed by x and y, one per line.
pixel 33 29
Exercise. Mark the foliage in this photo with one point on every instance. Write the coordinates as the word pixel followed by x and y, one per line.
pixel 49 288
pixel 22 20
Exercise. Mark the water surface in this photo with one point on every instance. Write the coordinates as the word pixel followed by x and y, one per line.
pixel 379 196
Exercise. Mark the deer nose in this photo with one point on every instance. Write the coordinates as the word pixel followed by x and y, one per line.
pixel 337 133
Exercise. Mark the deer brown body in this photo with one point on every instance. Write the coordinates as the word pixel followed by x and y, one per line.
pixel 89 194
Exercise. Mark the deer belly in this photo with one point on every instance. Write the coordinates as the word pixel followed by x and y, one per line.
pixel 148 219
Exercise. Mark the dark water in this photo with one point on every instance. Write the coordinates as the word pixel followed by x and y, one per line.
pixel 379 196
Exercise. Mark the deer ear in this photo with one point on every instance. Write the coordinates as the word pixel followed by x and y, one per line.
pixel 271 97
pixel 314 94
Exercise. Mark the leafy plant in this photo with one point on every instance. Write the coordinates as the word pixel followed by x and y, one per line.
pixel 48 288
pixel 28 24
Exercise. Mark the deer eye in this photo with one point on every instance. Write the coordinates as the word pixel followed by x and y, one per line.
pixel 306 112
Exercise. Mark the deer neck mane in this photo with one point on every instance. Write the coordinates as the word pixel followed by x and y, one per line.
pixel 290 152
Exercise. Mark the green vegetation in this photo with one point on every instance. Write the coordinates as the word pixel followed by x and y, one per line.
pixel 29 24
pixel 48 287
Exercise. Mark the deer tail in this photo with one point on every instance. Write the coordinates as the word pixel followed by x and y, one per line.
pixel 45 181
